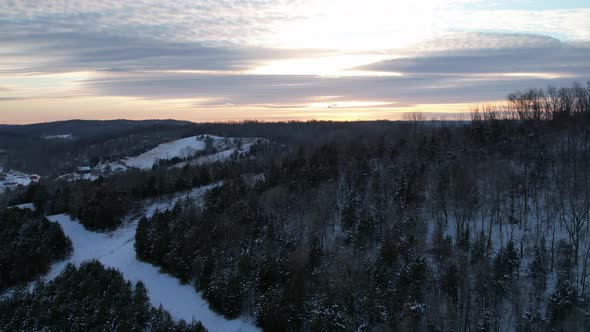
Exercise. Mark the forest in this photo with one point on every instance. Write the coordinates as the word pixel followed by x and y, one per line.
pixel 87 298
pixel 29 243
pixel 482 224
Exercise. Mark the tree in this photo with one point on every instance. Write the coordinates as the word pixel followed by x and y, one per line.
pixel 540 264
pixel 141 305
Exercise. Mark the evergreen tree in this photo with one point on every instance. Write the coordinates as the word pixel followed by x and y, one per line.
pixel 451 282
pixel 540 264
pixel 141 305
pixel 29 243
pixel 88 298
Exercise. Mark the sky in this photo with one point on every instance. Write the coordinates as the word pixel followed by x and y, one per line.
pixel 275 60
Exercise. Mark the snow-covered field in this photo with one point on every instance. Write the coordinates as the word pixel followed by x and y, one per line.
pixel 182 148
pixel 13 179
pixel 116 249
pixel 25 206
pixel 185 148
pixel 189 149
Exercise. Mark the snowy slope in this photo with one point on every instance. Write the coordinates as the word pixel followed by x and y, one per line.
pixel 190 149
pixel 116 250
pixel 223 155
pixel 186 148
pixel 182 148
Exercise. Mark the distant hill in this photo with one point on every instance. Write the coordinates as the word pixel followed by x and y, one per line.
pixel 93 142
pixel 55 147
pixel 84 128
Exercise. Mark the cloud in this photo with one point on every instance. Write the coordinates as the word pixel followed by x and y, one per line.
pixel 252 90
pixel 464 68
pixel 461 73
pixel 225 21
pixel 484 41
pixel 72 51
pixel 59 35
pixel 373 24
pixel 230 53
pixel 565 24
pixel 542 55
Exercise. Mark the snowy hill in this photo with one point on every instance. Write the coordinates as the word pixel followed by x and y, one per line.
pixel 195 150
pixel 182 148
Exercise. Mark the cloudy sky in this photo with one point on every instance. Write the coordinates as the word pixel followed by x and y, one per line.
pixel 205 60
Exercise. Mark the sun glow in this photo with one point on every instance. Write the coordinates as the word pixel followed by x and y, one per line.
pixel 349 104
pixel 547 76
pixel 332 65
pixel 359 25
pixel 42 84
pixel 285 59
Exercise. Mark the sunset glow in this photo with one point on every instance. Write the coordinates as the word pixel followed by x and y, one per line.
pixel 276 59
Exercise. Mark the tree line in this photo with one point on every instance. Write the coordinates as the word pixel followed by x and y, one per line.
pixel 102 204
pixel 556 104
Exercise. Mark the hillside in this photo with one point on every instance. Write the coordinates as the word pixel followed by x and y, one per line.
pixel 42 149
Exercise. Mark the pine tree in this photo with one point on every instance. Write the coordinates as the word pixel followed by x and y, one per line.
pixel 506 265
pixel 451 281
pixel 141 238
pixel 540 264
pixel 141 305
pixel 88 298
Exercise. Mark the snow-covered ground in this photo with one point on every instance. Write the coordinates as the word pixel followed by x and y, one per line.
pixel 224 155
pixel 116 249
pixel 78 176
pixel 182 148
pixel 61 136
pixel 112 167
pixel 13 179
pixel 187 148
pixel 25 206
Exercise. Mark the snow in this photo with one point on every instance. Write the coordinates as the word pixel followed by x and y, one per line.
pixel 227 148
pixel 112 167
pixel 223 155
pixel 24 206
pixel 219 156
pixel 186 149
pixel 182 148
pixel 78 176
pixel 116 249
pixel 13 179
pixel 61 136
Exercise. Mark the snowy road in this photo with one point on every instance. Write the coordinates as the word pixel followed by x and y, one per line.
pixel 116 250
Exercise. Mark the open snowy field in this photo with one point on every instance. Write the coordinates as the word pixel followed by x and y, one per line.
pixel 188 148
pixel 13 179
pixel 116 249
pixel 182 148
